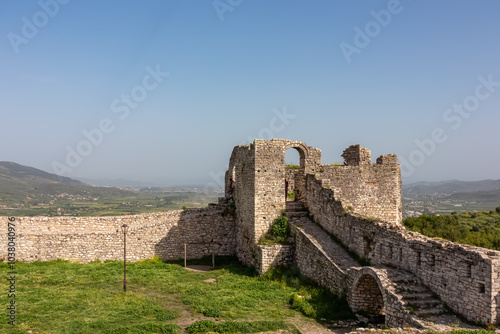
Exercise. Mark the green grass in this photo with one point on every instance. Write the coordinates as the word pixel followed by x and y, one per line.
pixel 209 326
pixel 278 234
pixel 63 297
pixel 310 299
pixel 292 166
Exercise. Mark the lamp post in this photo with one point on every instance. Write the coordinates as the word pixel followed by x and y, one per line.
pixel 124 228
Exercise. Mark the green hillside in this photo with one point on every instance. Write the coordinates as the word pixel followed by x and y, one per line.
pixel 472 228
pixel 27 191
pixel 26 185
pixel 478 196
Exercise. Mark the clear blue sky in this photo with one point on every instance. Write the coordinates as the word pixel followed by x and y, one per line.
pixel 383 74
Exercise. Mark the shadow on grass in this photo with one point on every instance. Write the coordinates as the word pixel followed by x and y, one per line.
pixel 310 299
pixel 229 263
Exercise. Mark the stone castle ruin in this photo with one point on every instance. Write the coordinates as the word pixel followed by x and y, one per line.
pixel 346 226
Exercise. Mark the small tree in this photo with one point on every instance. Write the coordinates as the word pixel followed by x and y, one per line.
pixel 498 209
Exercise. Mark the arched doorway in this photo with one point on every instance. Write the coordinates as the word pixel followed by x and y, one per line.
pixel 295 162
pixel 367 296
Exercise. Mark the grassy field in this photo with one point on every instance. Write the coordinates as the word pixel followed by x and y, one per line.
pixel 63 297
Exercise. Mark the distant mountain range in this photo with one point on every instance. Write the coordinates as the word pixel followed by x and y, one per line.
pixel 116 183
pixel 452 187
pixel 12 171
pixel 450 196
pixel 19 183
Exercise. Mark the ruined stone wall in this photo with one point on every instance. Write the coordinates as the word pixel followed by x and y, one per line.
pixel 372 290
pixel 84 239
pixel 258 171
pixel 315 264
pixel 290 174
pixel 463 276
pixel 270 174
pixel 270 184
pixel 366 189
pixel 242 171
pixel 273 256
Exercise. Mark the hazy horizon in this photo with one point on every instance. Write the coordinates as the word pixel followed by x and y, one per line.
pixel 135 183
pixel 161 92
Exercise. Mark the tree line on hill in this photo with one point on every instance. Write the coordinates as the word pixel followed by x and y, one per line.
pixel 480 229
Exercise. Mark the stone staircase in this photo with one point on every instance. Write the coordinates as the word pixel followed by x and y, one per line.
pixel 418 300
pixel 295 210
pixel 298 216
pixel 423 306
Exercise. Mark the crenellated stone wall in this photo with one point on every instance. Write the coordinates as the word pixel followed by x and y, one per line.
pixel 464 277
pixel 359 203
pixel 370 190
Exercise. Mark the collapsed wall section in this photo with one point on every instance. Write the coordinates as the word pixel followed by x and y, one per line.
pixel 85 239
pixel 464 277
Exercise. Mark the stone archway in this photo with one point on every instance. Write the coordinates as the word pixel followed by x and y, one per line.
pixel 295 178
pixel 302 149
pixel 367 296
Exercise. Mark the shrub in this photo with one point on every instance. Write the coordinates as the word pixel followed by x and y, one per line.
pixel 212 312
pixel 280 229
pixel 202 326
pixel 154 260
pixel 300 303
